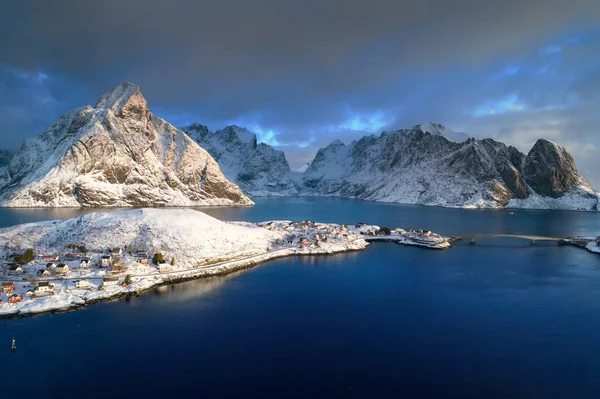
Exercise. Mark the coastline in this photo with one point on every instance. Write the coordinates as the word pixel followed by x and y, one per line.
pixel 144 285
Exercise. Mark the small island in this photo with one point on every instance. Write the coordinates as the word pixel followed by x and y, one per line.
pixel 61 265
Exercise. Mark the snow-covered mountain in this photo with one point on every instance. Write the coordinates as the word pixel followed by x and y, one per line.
pixel 257 168
pixel 428 164
pixel 432 165
pixel 116 153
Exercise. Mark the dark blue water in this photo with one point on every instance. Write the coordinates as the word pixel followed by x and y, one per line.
pixel 500 319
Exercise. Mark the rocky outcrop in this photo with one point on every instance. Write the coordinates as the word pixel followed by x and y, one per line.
pixel 259 169
pixel 116 153
pixel 550 170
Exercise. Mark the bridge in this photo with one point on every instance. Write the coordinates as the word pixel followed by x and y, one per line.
pixel 531 238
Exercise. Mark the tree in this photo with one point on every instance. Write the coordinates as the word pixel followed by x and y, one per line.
pixel 158 258
pixel 83 249
pixel 385 231
pixel 173 261
pixel 127 280
pixel 28 256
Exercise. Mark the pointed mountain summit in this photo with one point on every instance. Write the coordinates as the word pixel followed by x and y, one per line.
pixel 258 168
pixel 116 153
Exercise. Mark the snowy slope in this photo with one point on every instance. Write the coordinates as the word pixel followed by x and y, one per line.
pixel 257 168
pixel 437 128
pixel 116 153
pixel 423 166
pixel 188 235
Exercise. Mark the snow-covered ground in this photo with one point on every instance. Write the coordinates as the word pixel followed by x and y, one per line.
pixel 580 199
pixel 120 247
pixel 593 247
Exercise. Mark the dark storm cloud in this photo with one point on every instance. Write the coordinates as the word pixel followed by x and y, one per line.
pixel 184 51
pixel 306 72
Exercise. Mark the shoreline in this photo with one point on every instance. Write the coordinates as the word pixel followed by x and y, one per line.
pixel 222 269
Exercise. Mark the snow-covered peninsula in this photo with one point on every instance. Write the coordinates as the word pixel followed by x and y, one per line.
pixel 60 265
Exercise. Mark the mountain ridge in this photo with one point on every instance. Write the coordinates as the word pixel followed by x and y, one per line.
pixel 427 164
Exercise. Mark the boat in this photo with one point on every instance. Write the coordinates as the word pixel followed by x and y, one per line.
pixel 14 345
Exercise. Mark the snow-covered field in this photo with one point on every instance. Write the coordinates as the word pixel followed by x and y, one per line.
pixel 120 246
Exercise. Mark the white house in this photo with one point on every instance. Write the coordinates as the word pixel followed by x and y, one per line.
pixel 105 261
pixel 110 281
pixel 43 272
pixel 163 268
pixel 82 284
pixel 43 288
pixel 62 269
pixel 85 262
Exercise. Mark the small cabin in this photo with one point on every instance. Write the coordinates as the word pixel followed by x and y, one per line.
pixel 62 269
pixel 303 240
pixel 8 287
pixel 81 284
pixel 43 287
pixel 163 268
pixel 72 256
pixel 143 261
pixel 141 254
pixel 110 281
pixel 50 266
pixel 105 261
pixel 43 273
pixel 15 298
pixel 85 262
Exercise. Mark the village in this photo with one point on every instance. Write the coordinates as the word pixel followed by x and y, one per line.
pixel 37 280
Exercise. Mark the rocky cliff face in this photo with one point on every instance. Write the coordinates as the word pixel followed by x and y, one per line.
pixel 423 165
pixel 258 169
pixel 116 153
pixel 551 171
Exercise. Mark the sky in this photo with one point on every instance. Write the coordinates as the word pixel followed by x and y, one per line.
pixel 302 73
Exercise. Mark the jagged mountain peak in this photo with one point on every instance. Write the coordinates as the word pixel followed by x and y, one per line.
pixel 441 130
pixel 551 169
pixel 124 95
pixel 244 135
pixel 196 131
pixel 336 143
pixel 259 169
